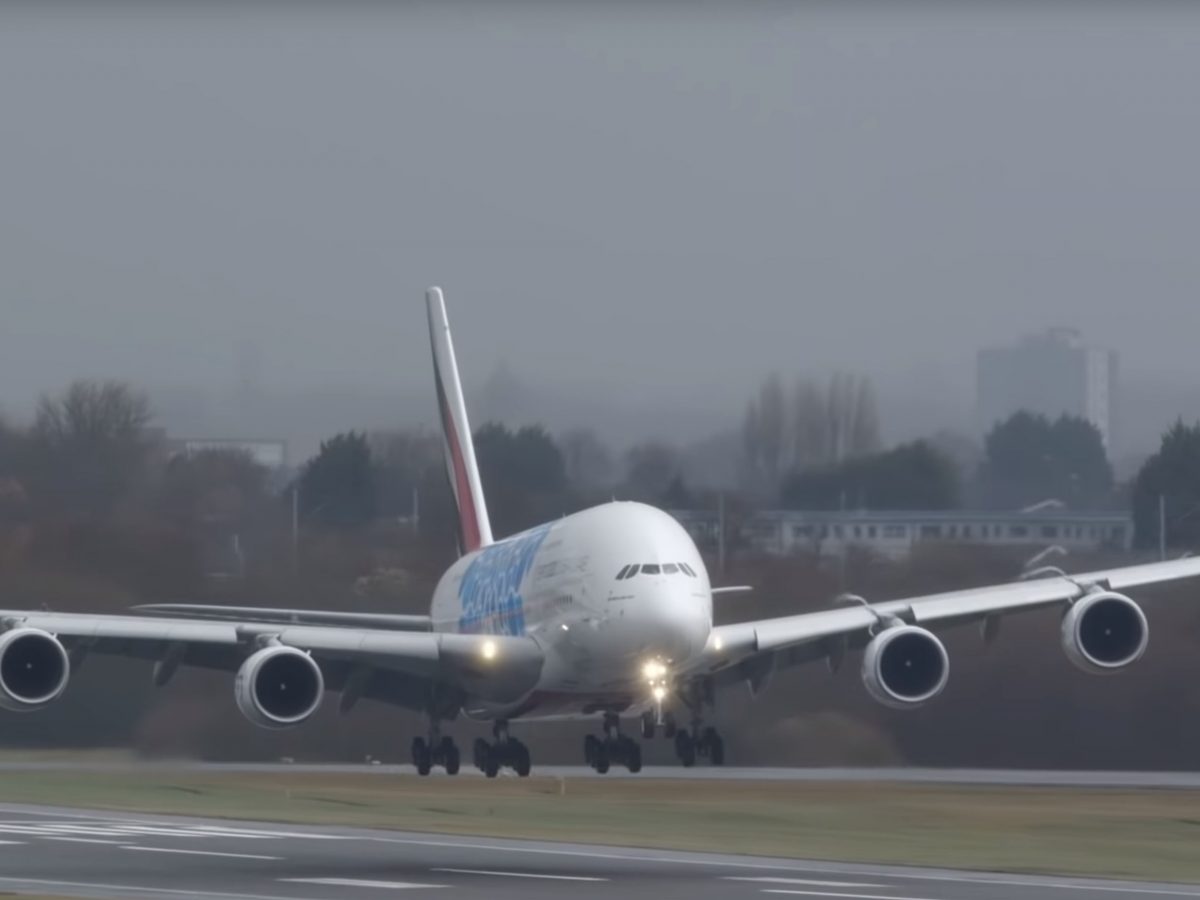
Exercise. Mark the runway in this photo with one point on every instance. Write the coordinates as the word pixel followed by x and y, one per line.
pixel 77 853
pixel 906 775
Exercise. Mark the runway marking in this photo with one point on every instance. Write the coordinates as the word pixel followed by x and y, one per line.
pixel 141 889
pixel 12 842
pixel 363 883
pixel 829 894
pixel 785 866
pixel 197 852
pixel 519 874
pixel 766 879
pixel 75 840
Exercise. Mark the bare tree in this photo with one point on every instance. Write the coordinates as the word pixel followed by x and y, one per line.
pixel 92 442
pixel 589 462
pixel 771 427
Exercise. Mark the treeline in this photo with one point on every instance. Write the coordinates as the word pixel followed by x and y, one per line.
pixel 819 448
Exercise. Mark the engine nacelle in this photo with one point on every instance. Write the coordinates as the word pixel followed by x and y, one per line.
pixel 278 686
pixel 905 666
pixel 34 669
pixel 1104 632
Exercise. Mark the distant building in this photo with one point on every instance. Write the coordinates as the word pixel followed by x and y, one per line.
pixel 894 533
pixel 268 454
pixel 1053 373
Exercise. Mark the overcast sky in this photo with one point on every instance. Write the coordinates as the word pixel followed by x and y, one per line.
pixel 668 200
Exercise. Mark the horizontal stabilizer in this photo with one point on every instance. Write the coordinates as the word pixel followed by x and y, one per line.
pixel 270 615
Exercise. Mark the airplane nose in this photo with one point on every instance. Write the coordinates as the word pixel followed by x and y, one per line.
pixel 678 625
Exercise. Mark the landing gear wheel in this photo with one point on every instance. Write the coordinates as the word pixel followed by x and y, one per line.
pixel 421 756
pixel 648 725
pixel 669 726
pixel 479 753
pixel 520 758
pixel 633 759
pixel 591 746
pixel 491 763
pixel 685 748
pixel 600 760
pixel 449 756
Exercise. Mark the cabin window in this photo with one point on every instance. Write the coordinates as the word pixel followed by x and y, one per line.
pixel 651 569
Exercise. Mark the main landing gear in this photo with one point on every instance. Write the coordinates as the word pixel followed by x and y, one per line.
pixel 505 751
pixel 614 747
pixel 699 741
pixel 436 750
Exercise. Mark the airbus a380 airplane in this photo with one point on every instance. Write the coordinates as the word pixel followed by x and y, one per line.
pixel 603 614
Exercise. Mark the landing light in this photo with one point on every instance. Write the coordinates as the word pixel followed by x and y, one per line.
pixel 654 670
pixel 659 693
pixel 718 644
pixel 488 650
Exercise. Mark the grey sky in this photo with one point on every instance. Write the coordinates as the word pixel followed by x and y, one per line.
pixel 665 200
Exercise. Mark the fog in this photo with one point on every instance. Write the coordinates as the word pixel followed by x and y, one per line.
pixel 637 211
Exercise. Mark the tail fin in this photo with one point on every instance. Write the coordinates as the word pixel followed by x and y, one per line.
pixel 474 529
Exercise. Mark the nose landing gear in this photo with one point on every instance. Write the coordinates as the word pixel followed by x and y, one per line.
pixel 614 747
pixel 504 751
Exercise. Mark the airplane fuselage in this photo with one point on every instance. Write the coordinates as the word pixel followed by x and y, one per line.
pixel 558 584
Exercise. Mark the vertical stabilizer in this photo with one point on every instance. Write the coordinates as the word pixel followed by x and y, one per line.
pixel 474 529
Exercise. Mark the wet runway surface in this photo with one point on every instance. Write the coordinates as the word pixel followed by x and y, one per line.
pixel 80 853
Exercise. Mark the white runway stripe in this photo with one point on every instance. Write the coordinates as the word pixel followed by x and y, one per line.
pixel 77 840
pixel 519 874
pixel 765 879
pixel 363 883
pixel 197 852
pixel 831 894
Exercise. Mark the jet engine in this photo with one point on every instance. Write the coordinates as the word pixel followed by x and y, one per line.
pixel 34 669
pixel 905 666
pixel 1104 632
pixel 278 686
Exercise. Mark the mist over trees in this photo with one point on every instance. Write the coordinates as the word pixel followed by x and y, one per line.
pixel 821 425
pixel 1171 476
pixel 911 476
pixel 1029 458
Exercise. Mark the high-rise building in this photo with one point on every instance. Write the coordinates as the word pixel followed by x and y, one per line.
pixel 1053 373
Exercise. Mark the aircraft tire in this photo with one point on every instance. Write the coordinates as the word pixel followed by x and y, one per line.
pixel 600 761
pixel 685 748
pixel 521 761
pixel 479 753
pixel 491 764
pixel 633 760
pixel 450 756
pixel 421 756
pixel 648 726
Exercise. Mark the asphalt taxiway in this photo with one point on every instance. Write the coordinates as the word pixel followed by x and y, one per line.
pixel 78 853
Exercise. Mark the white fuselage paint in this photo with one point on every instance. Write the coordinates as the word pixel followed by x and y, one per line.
pixel 558 585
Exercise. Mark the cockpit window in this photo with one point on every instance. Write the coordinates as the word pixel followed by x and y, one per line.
pixel 633 570
pixel 687 570
pixel 650 569
pixel 624 572
pixel 670 568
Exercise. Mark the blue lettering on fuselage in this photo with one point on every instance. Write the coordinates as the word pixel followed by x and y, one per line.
pixel 490 592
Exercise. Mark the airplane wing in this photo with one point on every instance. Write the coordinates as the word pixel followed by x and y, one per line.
pixel 381 663
pixel 286 616
pixel 749 650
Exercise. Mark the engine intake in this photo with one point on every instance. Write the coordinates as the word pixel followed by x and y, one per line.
pixel 905 666
pixel 1104 632
pixel 34 669
pixel 278 686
